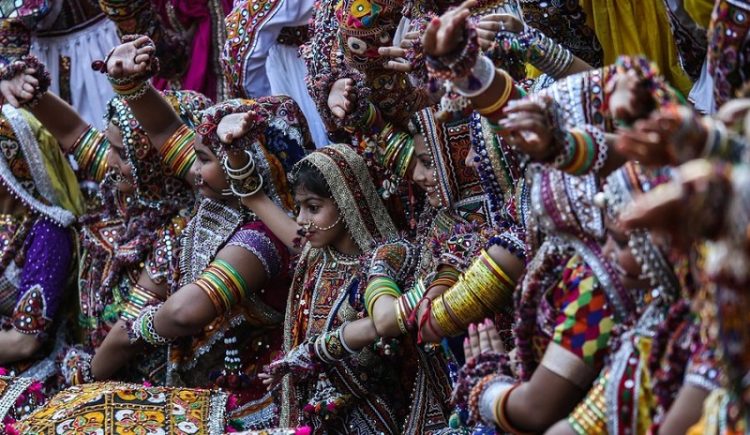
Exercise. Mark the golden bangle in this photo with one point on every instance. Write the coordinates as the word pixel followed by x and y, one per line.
pixel 443 319
pixel 494 107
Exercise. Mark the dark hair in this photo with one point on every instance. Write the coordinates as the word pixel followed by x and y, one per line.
pixel 309 177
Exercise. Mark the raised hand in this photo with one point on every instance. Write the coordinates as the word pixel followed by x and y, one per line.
pixel 527 127
pixel 670 136
pixel 444 35
pixel 482 338
pixel 131 58
pixel 20 89
pixel 489 25
pixel 339 100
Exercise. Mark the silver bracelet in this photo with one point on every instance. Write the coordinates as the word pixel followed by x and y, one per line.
pixel 243 172
pixel 143 327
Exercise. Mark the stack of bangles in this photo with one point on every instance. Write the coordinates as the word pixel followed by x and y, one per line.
pixel 223 284
pixel 483 290
pixel 585 150
pixel 138 299
pixel 377 288
pixel 405 305
pixel 370 121
pixel 129 88
pixel 90 152
pixel 245 181
pixel 489 402
pixel 399 150
pixel 510 92
pixel 331 347
pixel 178 153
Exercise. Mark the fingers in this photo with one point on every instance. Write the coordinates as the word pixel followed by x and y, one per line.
pixel 429 39
pixel 495 341
pixel 654 208
pixel 394 52
pixel 28 87
pixel 143 40
pixel 12 100
pixel 142 59
pixel 338 112
pixel 474 339
pixel 468 354
pixel 484 337
pixel 31 80
pixel 403 67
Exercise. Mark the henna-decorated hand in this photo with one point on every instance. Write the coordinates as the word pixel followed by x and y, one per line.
pixel 444 35
pixel 339 100
pixel 131 59
pixel 20 89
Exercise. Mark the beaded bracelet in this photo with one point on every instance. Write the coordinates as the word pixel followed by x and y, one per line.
pixel 178 153
pixel 138 298
pixel 143 328
pixel 538 49
pixel 10 71
pixel 90 152
pixel 223 284
pixel 456 65
pixel 76 367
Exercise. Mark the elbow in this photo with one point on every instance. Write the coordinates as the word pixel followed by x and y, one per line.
pixel 26 346
pixel 179 320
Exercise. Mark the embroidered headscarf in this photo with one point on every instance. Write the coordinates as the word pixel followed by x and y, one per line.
pixel 352 188
pixel 449 144
pixel 154 187
pixel 34 170
pixel 620 188
pixel 278 138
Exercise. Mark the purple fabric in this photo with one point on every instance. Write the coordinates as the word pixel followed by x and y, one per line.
pixel 49 253
pixel 200 75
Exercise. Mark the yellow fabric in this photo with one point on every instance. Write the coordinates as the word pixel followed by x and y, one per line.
pixel 633 27
pixel 646 398
pixel 700 11
pixel 61 175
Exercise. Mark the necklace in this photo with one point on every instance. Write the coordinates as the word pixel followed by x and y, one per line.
pixel 209 229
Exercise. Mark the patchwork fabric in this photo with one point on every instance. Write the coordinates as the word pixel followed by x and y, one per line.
pixel 584 322
pixel 119 408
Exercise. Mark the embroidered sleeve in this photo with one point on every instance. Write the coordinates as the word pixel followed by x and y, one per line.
pixel 43 278
pixel 459 248
pixel 90 152
pixel 394 260
pixel 584 321
pixel 260 245
pixel 703 369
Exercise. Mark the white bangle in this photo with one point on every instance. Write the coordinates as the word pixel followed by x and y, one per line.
pixel 233 188
pixel 241 173
pixel 483 71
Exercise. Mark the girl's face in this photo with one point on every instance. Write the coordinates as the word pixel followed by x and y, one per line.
pixel 320 217
pixel 209 176
pixel 424 171
pixel 618 252
pixel 117 161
